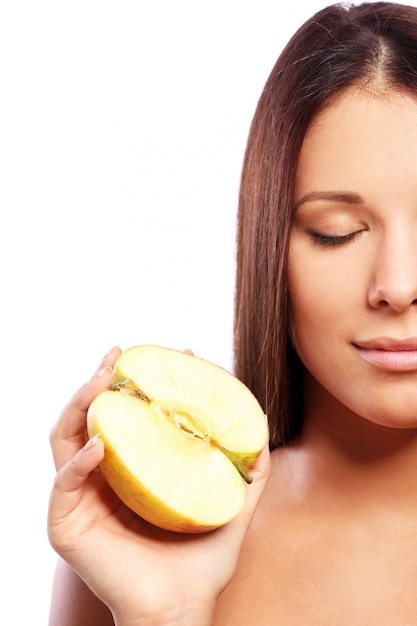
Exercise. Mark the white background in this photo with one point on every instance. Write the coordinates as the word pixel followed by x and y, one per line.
pixel 122 131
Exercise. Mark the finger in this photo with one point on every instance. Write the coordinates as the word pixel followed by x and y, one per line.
pixel 108 360
pixel 67 490
pixel 260 473
pixel 68 434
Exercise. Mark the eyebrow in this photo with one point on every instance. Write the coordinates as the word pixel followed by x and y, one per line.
pixel 347 197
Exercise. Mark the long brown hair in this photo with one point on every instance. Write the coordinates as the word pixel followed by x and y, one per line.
pixel 368 44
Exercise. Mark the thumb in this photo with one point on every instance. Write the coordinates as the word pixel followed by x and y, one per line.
pixel 260 473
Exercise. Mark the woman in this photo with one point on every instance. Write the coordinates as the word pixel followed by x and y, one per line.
pixel 325 336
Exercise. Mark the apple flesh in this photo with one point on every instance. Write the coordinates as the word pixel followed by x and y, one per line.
pixel 180 436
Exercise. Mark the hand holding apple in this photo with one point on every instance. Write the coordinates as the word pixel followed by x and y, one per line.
pixel 128 563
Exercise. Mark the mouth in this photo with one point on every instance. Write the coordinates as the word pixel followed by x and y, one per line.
pixel 388 353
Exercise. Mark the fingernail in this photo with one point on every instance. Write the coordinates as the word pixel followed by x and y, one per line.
pixel 111 350
pixel 104 370
pixel 91 442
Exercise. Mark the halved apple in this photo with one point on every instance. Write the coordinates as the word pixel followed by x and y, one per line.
pixel 180 435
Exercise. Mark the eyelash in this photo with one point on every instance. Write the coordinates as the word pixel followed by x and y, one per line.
pixel 328 241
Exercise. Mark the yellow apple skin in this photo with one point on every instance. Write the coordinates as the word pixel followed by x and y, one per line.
pixel 159 428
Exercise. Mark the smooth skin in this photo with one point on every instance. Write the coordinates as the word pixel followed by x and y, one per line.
pixel 144 575
pixel 334 539
pixel 334 536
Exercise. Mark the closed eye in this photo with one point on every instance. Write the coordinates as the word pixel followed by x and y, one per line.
pixel 325 240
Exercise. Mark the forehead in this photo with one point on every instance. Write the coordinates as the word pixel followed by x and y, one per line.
pixel 360 139
pixel 364 104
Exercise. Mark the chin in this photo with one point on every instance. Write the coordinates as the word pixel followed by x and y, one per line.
pixel 394 419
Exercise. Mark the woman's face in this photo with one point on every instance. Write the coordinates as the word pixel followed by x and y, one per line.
pixel 353 259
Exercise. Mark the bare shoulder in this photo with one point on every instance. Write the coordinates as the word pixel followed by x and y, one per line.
pixel 306 561
pixel 262 569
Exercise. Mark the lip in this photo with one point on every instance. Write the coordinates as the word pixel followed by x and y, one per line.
pixel 389 353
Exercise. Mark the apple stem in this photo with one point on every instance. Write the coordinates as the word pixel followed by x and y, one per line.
pixel 247 478
pixel 238 465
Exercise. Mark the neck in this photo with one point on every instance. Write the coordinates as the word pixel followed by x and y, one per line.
pixel 346 457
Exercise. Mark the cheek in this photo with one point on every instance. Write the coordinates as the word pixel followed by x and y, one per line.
pixel 318 328
pixel 312 320
pixel 311 294
pixel 322 305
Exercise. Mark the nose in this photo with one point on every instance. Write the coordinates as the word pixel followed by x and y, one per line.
pixel 394 281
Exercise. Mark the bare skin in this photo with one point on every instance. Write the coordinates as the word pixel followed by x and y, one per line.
pixel 144 575
pixel 334 536
pixel 334 539
pixel 326 555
